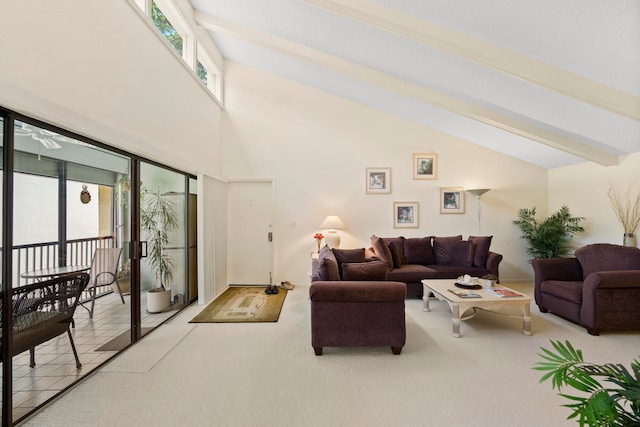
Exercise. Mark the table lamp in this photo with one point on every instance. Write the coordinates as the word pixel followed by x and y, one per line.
pixel 332 223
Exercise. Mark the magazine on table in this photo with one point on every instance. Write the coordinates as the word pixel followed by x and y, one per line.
pixel 463 293
pixel 505 293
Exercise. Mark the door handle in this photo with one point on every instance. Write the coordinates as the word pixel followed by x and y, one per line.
pixel 270 236
pixel 143 249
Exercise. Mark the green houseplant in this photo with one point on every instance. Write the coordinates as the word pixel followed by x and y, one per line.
pixel 548 238
pixel 614 404
pixel 157 220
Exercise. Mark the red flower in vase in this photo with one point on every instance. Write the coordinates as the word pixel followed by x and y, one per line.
pixel 318 237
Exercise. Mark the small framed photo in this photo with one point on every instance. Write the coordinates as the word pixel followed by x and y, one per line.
pixel 451 200
pixel 425 166
pixel 378 180
pixel 405 214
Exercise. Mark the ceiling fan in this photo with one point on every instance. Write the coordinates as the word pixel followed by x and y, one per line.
pixel 47 138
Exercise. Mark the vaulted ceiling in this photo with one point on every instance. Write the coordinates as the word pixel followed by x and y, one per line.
pixel 551 82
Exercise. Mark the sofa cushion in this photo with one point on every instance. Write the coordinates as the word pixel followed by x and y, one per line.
pixel 382 250
pixel 481 246
pixel 374 270
pixel 327 264
pixel 396 255
pixel 565 289
pixel 411 273
pixel 462 253
pixel 607 257
pixel 455 271
pixel 418 250
pixel 443 248
pixel 348 255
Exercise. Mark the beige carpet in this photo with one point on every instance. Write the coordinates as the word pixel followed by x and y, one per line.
pixel 239 304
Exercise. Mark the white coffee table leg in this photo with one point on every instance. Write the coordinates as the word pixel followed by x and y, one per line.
pixel 526 319
pixel 426 292
pixel 455 319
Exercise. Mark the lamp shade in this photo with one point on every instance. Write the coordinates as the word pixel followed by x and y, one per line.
pixel 478 191
pixel 333 222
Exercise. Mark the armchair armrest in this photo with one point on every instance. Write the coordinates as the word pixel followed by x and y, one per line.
pixel 556 269
pixel 612 279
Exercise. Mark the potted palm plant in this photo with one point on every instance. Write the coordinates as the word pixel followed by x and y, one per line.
pixel 550 237
pixel 157 221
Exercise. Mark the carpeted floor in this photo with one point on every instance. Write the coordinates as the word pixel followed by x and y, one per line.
pixel 240 304
pixel 266 374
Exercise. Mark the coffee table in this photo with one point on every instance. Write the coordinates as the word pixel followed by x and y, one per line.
pixel 488 301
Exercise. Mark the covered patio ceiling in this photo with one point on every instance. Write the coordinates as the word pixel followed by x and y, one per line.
pixel 550 82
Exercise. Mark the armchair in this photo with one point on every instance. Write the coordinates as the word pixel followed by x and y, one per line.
pixel 598 289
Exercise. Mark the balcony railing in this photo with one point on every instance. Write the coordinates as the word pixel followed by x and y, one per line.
pixel 38 256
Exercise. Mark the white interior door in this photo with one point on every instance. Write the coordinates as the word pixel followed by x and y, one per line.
pixel 250 219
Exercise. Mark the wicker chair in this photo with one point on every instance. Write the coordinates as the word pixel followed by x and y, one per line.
pixel 44 310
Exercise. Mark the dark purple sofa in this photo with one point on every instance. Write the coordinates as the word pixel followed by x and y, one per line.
pixel 410 260
pixel 598 289
pixel 357 313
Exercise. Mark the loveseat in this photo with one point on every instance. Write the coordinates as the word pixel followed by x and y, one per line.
pixel 599 288
pixel 409 260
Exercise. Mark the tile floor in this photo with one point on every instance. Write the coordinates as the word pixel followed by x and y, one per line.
pixel 55 365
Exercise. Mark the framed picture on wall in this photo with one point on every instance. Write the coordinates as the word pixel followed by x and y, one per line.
pixel 425 166
pixel 405 214
pixel 378 180
pixel 451 200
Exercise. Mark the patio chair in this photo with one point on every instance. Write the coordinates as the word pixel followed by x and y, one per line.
pixel 103 272
pixel 41 311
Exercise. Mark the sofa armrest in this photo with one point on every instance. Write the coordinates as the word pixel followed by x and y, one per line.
pixel 357 291
pixel 556 269
pixel 493 261
pixel 315 265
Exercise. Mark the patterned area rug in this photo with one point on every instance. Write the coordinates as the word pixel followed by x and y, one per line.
pixel 240 304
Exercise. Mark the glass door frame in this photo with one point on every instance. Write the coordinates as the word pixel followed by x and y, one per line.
pixel 9 118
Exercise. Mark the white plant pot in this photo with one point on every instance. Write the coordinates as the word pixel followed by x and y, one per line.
pixel 158 300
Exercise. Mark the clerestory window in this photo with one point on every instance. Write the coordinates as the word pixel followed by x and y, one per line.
pixel 166 29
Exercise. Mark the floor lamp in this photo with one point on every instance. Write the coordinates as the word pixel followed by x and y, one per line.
pixel 478 192
pixel 332 223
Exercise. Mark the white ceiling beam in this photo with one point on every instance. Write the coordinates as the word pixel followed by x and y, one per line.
pixel 503 60
pixel 409 89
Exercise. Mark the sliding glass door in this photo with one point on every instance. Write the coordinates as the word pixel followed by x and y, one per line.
pixel 167 212
pixel 71 205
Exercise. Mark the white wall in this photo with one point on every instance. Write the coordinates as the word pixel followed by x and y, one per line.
pixel 98 69
pixel 583 188
pixel 316 146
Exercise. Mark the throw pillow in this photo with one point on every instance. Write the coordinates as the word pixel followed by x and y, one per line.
pixel 375 270
pixel 395 255
pixel 418 250
pixel 443 248
pixel 481 246
pixel 382 250
pixel 348 255
pixel 462 254
pixel 399 243
pixel 327 264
